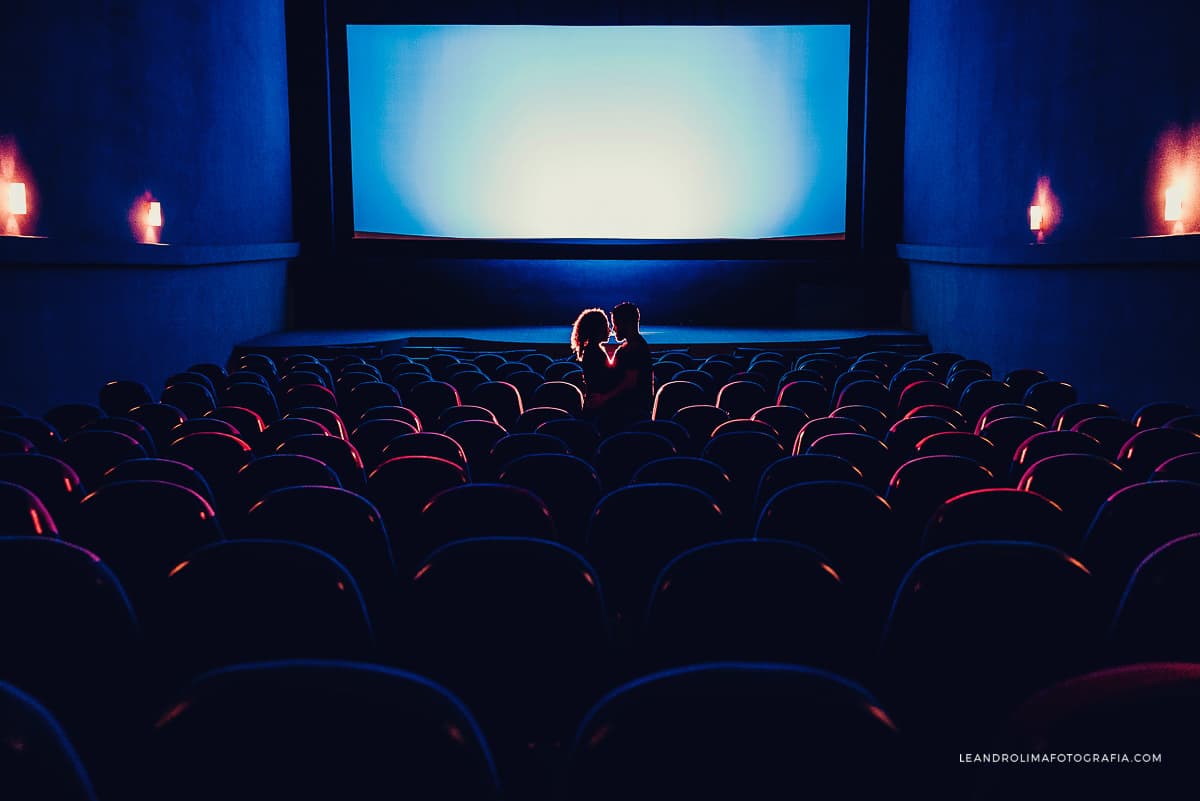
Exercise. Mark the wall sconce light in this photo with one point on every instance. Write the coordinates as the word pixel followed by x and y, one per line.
pixel 1035 217
pixel 1173 206
pixel 154 214
pixel 17 200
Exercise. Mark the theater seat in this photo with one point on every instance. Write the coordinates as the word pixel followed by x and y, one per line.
pixel 1133 522
pixel 36 758
pixel 1074 413
pixel 920 486
pixel 998 514
pixel 326 417
pixel 71 639
pixel 43 435
pixel 1148 448
pixel 477 437
pixel 15 443
pixel 1159 413
pixel 700 420
pixel 481 510
pixel 53 481
pixel 161 470
pixel 1130 712
pixel 316 730
pixel 275 434
pixel 874 420
pixel 636 530
pixel 964 444
pixel 93 453
pixel 801 469
pixel 534 416
pixel 429 399
pixel 1049 398
pixel 129 427
pixel 501 398
pixel 619 456
pixel 1006 435
pixel 456 414
pixel 337 453
pixel 1185 467
pixel 974 628
pixel 677 434
pixel 1156 618
pixel 190 397
pixel 786 420
pixel 810 396
pixel 268 473
pixel 400 488
pixel 514 446
pixel 850 525
pixel 249 423
pixel 904 434
pixel 870 456
pixel 531 611
pixel 68 418
pixel 558 395
pixel 1052 443
pixel 250 600
pixel 755 600
pixel 118 397
pixel 703 474
pixel 1079 483
pixel 737 730
pixel 581 436
pixel 142 529
pixel 21 513
pixel 568 486
pixel 424 443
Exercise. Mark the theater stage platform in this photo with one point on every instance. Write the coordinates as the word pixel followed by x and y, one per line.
pixel 553 339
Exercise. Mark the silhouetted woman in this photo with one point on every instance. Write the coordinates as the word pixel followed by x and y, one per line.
pixel 587 335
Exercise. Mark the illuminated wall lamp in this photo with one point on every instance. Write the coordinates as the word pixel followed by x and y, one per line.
pixel 1036 219
pixel 154 214
pixel 1173 206
pixel 17 202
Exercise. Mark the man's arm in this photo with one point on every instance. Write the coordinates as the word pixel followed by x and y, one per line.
pixel 627 383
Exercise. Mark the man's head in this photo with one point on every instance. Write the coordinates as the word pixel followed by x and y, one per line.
pixel 625 318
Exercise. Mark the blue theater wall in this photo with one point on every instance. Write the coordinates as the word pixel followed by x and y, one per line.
pixel 189 101
pixel 1000 94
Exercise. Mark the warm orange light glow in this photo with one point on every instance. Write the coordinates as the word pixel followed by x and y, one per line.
pixel 146 219
pixel 1173 192
pixel 881 716
pixel 424 569
pixel 37 522
pixel 172 713
pixel 1035 217
pixel 17 202
pixel 1072 560
pixel 829 569
pixel 17 199
pixel 1173 207
pixel 177 568
pixel 1044 210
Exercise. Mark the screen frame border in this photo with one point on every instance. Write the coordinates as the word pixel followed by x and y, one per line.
pixel 814 12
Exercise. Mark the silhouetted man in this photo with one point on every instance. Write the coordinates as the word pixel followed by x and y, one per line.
pixel 633 397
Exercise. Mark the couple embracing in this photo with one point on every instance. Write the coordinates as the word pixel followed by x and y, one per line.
pixel 619 383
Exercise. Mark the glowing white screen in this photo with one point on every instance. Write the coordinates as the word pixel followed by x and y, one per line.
pixel 599 132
